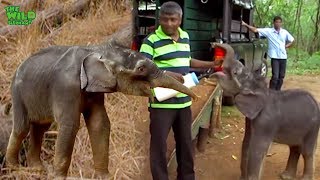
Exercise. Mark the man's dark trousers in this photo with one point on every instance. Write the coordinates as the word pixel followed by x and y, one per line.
pixel 161 122
pixel 278 73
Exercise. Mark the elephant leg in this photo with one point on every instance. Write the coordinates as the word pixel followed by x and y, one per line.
pixel 19 131
pixel 258 147
pixel 14 144
pixel 98 126
pixel 68 120
pixel 307 151
pixel 36 135
pixel 244 151
pixel 292 163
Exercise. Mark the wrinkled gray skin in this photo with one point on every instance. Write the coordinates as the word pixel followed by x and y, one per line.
pixel 61 82
pixel 289 117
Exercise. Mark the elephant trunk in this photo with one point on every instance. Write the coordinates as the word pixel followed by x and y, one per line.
pixel 237 82
pixel 163 80
pixel 230 64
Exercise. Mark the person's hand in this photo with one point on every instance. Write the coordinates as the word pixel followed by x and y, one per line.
pixel 177 76
pixel 243 23
pixel 214 64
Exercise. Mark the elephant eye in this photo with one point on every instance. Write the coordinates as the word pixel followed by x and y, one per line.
pixel 141 68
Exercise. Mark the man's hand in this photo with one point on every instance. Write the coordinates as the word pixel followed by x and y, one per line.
pixel 177 76
pixel 251 28
pixel 243 23
pixel 289 45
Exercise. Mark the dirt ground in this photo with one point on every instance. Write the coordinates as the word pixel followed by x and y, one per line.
pixel 221 160
pixel 202 89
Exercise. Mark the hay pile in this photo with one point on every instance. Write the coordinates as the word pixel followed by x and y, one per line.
pixel 128 151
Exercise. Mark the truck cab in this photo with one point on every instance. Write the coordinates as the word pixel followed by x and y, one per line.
pixel 208 21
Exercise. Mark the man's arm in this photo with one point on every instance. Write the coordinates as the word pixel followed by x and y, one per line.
pixel 289 39
pixel 251 28
pixel 262 31
pixel 195 63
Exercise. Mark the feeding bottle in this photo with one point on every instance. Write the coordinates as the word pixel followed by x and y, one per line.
pixel 162 94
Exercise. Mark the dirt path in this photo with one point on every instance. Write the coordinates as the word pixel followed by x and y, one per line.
pixel 221 161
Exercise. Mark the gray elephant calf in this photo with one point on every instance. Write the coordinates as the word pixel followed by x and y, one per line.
pixel 61 82
pixel 289 117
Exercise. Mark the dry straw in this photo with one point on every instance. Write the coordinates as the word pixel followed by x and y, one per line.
pixel 128 114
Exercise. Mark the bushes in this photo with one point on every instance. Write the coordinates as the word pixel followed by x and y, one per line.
pixel 303 63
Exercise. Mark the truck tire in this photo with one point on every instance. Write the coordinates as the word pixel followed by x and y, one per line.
pixel 227 101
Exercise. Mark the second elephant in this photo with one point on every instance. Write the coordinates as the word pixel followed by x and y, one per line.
pixel 290 117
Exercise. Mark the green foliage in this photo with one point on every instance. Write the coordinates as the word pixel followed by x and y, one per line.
pixel 301 27
pixel 303 64
pixel 230 112
pixel 304 56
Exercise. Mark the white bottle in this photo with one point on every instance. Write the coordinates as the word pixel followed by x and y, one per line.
pixel 162 94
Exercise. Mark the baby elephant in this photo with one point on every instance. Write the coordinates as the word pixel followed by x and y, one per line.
pixel 289 117
pixel 59 83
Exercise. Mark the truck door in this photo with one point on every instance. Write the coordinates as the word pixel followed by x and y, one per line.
pixel 238 34
pixel 260 52
pixel 144 21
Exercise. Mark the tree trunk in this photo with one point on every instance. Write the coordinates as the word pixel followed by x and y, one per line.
pixel 315 47
pixel 264 10
pixel 299 29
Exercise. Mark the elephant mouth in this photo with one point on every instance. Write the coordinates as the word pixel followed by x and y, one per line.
pixel 221 73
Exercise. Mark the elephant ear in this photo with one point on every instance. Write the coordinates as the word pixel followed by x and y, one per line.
pixel 250 103
pixel 97 75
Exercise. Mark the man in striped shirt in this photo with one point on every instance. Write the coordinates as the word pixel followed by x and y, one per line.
pixel 169 48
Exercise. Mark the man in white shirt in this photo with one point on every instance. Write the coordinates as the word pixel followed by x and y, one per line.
pixel 278 40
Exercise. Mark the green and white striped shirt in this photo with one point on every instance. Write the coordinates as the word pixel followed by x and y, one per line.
pixel 169 55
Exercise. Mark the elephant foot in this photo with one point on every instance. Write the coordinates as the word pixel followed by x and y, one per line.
pixel 12 162
pixel 103 175
pixel 36 165
pixel 307 177
pixel 59 178
pixel 12 166
pixel 38 169
pixel 287 176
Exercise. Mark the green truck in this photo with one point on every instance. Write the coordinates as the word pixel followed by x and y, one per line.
pixel 208 21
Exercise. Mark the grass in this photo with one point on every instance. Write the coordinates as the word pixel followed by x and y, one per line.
pixel 303 64
pixel 230 112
